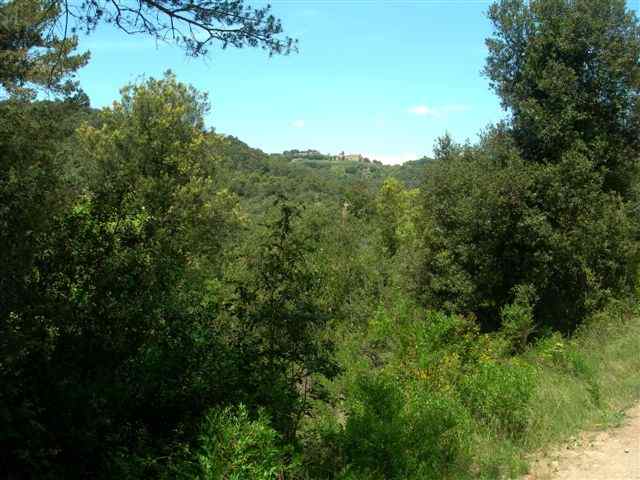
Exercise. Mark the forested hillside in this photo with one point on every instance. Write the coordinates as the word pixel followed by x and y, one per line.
pixel 177 304
pixel 257 177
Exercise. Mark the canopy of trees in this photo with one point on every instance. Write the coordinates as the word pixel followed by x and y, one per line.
pixel 177 304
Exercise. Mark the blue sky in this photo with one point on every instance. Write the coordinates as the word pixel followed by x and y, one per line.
pixel 378 77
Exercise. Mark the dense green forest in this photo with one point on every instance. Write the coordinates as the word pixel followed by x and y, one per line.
pixel 177 304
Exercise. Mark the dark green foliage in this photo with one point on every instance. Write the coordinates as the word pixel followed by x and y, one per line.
pixel 101 346
pixel 346 261
pixel 569 73
pixel 194 26
pixel 492 222
pixel 281 327
pixel 259 179
pixel 410 173
pixel 445 147
pixel 33 187
pixel 33 54
pixel 33 193
pixel 114 350
pixel 547 198
pixel 165 313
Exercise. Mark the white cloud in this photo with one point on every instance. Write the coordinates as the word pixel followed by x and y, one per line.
pixel 423 111
pixel 298 124
pixel 439 111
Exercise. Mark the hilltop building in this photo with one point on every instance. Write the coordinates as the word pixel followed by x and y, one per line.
pixel 352 157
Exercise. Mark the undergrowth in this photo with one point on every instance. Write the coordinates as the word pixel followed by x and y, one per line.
pixel 427 395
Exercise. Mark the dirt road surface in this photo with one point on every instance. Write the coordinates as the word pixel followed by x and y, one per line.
pixel 609 455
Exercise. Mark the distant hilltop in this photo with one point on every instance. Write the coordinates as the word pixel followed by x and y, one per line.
pixel 302 153
pixel 353 157
pixel 316 155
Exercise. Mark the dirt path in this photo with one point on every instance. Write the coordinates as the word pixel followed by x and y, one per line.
pixel 610 455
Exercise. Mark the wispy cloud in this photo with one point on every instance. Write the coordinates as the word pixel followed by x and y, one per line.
pixel 297 124
pixel 423 111
pixel 437 111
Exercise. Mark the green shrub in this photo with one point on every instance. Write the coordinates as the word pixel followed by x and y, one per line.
pixel 568 358
pixel 517 318
pixel 231 446
pixel 396 433
pixel 499 393
pixel 491 222
pixel 444 348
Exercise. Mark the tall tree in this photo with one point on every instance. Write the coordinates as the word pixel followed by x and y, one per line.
pixel 32 53
pixel 569 73
pixel 102 335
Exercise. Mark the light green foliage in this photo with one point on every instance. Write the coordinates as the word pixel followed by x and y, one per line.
pixel 452 356
pixel 233 446
pixel 568 358
pixel 492 408
pixel 517 318
pixel 389 206
pixel 148 144
pixel 585 381
pixel 428 384
pixel 398 433
pixel 396 212
pixel 500 392
pixel 151 153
